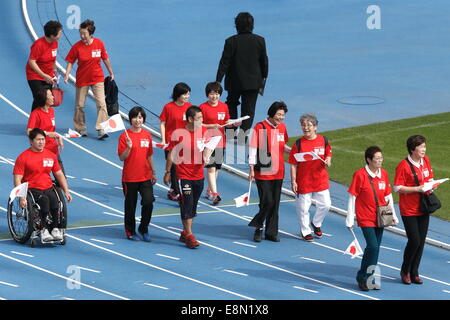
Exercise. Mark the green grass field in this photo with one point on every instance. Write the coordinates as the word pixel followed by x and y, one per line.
pixel 349 145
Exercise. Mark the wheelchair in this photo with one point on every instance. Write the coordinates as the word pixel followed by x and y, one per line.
pixel 25 223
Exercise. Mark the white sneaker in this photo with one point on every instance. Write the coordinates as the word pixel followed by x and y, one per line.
pixel 45 236
pixel 56 234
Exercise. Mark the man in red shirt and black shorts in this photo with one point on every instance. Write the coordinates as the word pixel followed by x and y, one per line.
pixel 189 157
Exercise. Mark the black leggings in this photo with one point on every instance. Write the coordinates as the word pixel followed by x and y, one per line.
pixel 49 206
pixel 416 230
pixel 130 190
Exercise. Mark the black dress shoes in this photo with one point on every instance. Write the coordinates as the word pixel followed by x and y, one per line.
pixel 273 238
pixel 257 237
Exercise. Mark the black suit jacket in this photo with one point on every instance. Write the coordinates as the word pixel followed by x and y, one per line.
pixel 244 62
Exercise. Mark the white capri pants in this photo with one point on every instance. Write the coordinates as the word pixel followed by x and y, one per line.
pixel 303 203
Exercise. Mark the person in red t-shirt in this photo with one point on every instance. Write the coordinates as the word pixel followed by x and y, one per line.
pixel 362 204
pixel 309 177
pixel 415 222
pixel 89 51
pixel 41 66
pixel 189 159
pixel 269 136
pixel 136 151
pixel 34 166
pixel 44 118
pixel 173 117
pixel 215 118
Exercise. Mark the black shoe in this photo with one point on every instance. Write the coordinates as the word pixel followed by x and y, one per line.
pixel 363 286
pixel 273 238
pixel 257 237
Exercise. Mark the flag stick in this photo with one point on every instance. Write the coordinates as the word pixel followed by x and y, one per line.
pixel 127 133
pixel 318 157
pixel 353 233
pixel 248 194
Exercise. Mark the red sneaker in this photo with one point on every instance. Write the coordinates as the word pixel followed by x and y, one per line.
pixel 191 242
pixel 183 236
pixel 317 231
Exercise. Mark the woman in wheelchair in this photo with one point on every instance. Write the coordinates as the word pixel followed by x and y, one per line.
pixel 34 166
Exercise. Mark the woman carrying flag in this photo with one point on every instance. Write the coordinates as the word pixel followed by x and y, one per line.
pixel 367 182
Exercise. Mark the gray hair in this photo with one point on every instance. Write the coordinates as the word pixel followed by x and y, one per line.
pixel 309 117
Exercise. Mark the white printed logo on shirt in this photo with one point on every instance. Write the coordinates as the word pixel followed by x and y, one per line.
pixel 53 121
pixel 426 173
pixel 145 143
pixel 319 151
pixel 280 137
pixel 54 52
pixel 221 115
pixel 48 163
pixel 96 53
pixel 381 185
pixel 184 117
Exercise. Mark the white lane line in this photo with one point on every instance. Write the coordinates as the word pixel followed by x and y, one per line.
pixel 90 270
pixel 160 268
pixel 247 217
pixel 120 188
pixel 245 244
pixel 168 257
pixel 304 289
pixel 107 213
pixel 22 254
pixel 66 298
pixel 63 277
pixel 446 291
pixel 71 177
pixel 390 278
pixel 156 286
pixel 313 260
pixel 392 249
pixel 174 228
pixel 94 181
pixel 101 241
pixel 235 272
pixel 9 284
pixel 327 234
pixel 2 299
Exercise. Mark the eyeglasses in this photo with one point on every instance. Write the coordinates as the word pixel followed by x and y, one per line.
pixel 307 125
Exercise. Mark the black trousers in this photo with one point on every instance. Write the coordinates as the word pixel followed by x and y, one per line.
pixel 173 176
pixel 35 85
pixel 269 192
pixel 416 228
pixel 49 204
pixel 248 104
pixel 130 190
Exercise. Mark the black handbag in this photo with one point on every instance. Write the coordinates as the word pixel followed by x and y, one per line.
pixel 266 160
pixel 429 203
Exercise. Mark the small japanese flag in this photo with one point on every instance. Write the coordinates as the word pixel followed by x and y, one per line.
pixel 306 156
pixel 72 134
pixel 19 191
pixel 243 200
pixel 159 145
pixel 113 124
pixel 354 249
pixel 210 143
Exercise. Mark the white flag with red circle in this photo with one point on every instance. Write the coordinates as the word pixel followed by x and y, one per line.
pixel 354 249
pixel 113 124
pixel 19 191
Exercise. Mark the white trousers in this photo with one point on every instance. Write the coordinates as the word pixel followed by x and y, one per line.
pixel 303 203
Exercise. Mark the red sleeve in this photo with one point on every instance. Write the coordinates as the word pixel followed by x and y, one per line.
pixel 400 174
pixel 292 159
pixel 122 144
pixel 33 121
pixel 328 152
pixel 36 51
pixel 356 184
pixel 56 166
pixel 430 170
pixel 163 115
pixel 72 56
pixel 227 113
pixel 150 148
pixel 19 166
pixel 388 189
pixel 104 53
pixel 255 136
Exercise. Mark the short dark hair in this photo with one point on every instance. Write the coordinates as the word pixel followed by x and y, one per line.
pixel 89 25
pixel 277 105
pixel 192 111
pixel 244 22
pixel 51 28
pixel 414 141
pixel 41 96
pixel 180 89
pixel 34 133
pixel 370 152
pixel 213 86
pixel 134 112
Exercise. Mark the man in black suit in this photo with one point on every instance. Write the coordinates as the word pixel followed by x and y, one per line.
pixel 245 65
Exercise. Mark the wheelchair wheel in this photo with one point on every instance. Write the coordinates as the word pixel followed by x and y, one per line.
pixel 62 211
pixel 20 220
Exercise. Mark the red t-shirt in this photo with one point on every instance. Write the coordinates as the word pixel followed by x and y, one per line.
pixel 136 167
pixel 365 205
pixel 89 69
pixel 409 202
pixel 45 121
pixel 312 176
pixel 35 168
pixel 216 114
pixel 175 118
pixel 277 139
pixel 45 55
pixel 186 155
